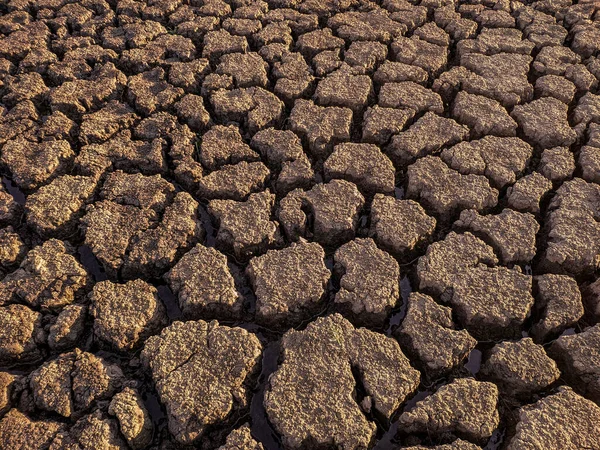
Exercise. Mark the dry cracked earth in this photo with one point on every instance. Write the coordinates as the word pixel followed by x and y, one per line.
pixel 299 224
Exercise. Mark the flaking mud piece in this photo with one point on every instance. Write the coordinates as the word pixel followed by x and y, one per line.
pixel 317 41
pixel 563 419
pixel 48 278
pixel 289 283
pixel 224 145
pixel 149 92
pixel 464 408
pixel 528 192
pixel 399 226
pixel 483 115
pixel 446 191
pixel 134 421
pixel 511 233
pixel 430 336
pixel 73 382
pixel 544 122
pixel 501 159
pixel 410 95
pixel 234 181
pixel 203 373
pixel 574 250
pixel 34 164
pixel 578 357
pixel 426 136
pixel 53 210
pixel 380 124
pixel 519 368
pixel 458 444
pixel 190 109
pixel 363 164
pixel 253 108
pixel 126 314
pixel 141 226
pixel 293 175
pixel 204 285
pixel 311 398
pixel 335 208
pixel 369 284
pixel 246 227
pixel 558 300
pixel 322 127
pixel 20 431
pixel 294 78
pixel 241 439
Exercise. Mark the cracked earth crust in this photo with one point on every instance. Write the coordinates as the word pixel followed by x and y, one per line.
pixel 299 224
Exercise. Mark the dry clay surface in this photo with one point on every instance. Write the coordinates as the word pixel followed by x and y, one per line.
pixel 299 224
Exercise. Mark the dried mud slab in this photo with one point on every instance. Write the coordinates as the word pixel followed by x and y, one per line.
pixel 206 379
pixel 17 430
pixel 141 226
pixel 559 299
pixel 134 421
pixel 204 285
pixel 49 278
pixel 73 382
pixel 369 286
pixel 577 357
pixel 241 439
pixel 501 159
pixel 289 284
pixel 362 164
pixel 563 419
pixel 430 335
pixel 573 250
pixel 510 233
pixel 246 227
pixel 399 226
pixel 319 370
pixel 465 407
pixel 520 368
pixel 125 314
pixel 334 207
pixel 445 191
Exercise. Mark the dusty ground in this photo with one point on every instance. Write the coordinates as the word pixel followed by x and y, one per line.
pixel 299 224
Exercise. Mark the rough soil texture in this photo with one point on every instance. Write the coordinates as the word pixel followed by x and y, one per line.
pixel 299 224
